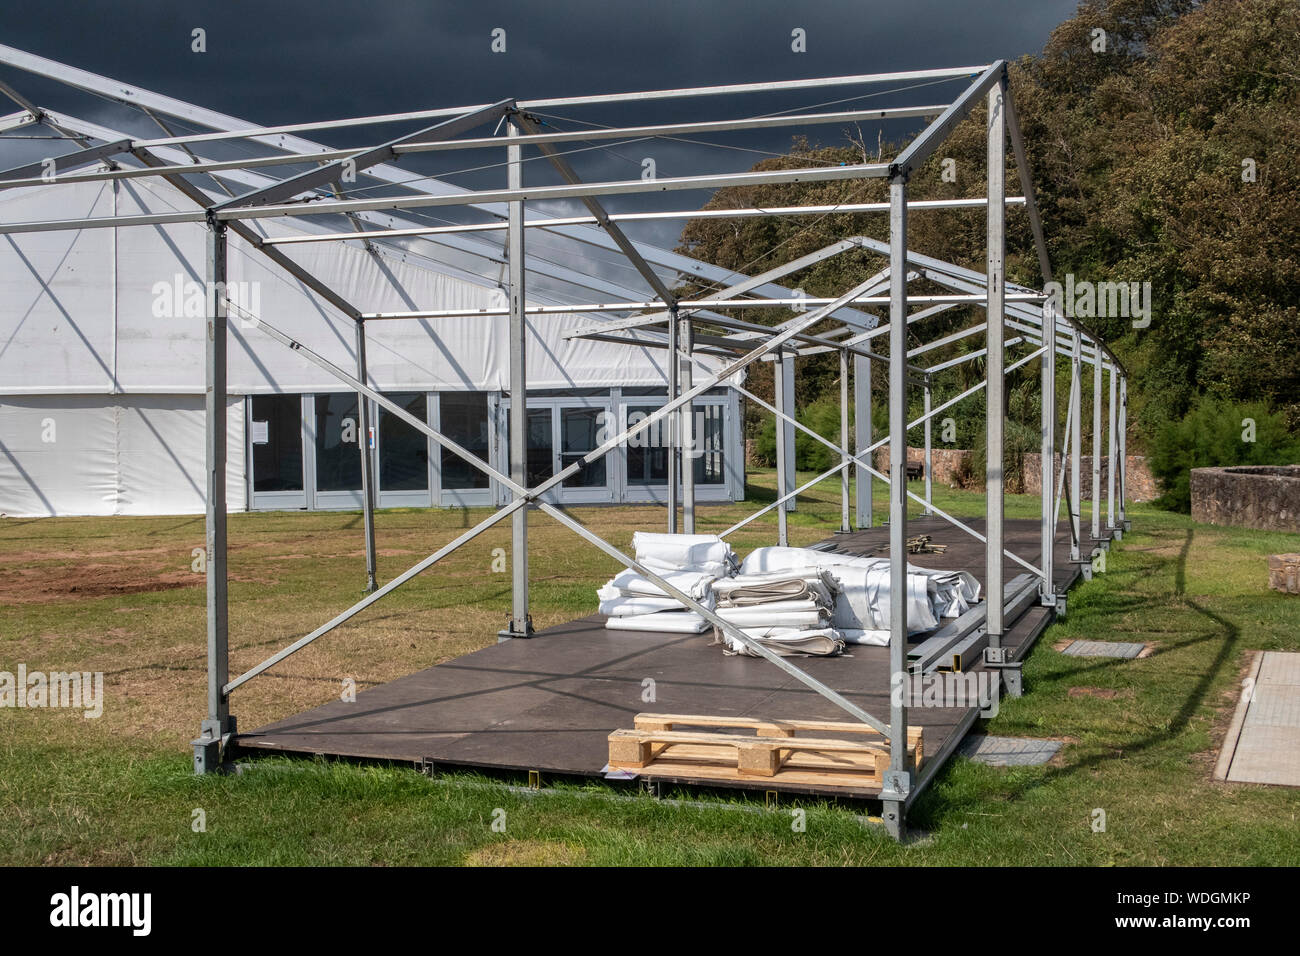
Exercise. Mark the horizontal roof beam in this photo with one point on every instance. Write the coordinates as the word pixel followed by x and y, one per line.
pixel 339 168
pixel 526 194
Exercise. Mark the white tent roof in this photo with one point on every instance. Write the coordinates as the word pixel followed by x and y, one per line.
pixel 79 311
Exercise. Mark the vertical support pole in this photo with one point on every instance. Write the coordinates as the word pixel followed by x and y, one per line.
pixel 520 620
pixel 929 457
pixel 1047 451
pixel 1076 441
pixel 1096 445
pixel 1110 452
pixel 1123 452
pixel 782 475
pixel 219 723
pixel 897 783
pixel 367 457
pixel 673 421
pixel 995 421
pixel 862 426
pixel 845 524
pixel 690 454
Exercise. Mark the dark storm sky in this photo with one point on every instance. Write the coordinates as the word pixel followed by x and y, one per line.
pixel 282 61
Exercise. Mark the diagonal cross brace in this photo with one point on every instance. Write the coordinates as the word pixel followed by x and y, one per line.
pixel 82 157
pixel 528 126
pixel 312 178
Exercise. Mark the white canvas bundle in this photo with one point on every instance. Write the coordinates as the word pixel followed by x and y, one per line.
pixel 615 604
pixel 864 603
pixel 810 584
pixel 786 641
pixel 669 622
pixel 682 551
pixel 793 614
pixel 717 569
pixel 691 583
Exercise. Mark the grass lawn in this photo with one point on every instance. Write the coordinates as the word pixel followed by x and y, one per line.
pixel 118 595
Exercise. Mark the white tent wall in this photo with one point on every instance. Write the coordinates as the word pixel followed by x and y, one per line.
pixel 102 330
pixel 111 455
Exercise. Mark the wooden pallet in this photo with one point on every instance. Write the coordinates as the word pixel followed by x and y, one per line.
pixel 778 751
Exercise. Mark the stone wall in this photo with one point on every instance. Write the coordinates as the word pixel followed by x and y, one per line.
pixel 949 463
pixel 1250 496
pixel 1142 485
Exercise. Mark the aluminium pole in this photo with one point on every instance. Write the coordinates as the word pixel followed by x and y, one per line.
pixel 1047 454
pixel 674 420
pixel 1123 452
pixel 995 374
pixel 520 620
pixel 780 398
pixel 929 457
pixel 1076 441
pixel 862 427
pixel 845 524
pixel 896 783
pixel 363 443
pixel 1096 445
pixel 219 723
pixel 1110 453
pixel 690 454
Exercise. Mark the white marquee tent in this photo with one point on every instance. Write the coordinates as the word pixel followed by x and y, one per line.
pixel 101 351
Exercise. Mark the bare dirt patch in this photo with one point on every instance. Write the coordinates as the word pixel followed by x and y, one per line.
pixel 49 584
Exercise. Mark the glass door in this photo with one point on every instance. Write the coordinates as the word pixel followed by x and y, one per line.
pixel 465 418
pixel 403 454
pixel 584 428
pixel 338 450
pixel 275 443
pixel 560 432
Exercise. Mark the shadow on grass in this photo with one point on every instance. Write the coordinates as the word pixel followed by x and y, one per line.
pixel 932 805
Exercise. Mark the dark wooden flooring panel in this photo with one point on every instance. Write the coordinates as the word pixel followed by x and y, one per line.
pixel 549 703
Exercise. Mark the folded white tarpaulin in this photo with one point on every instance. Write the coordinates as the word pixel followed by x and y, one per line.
pixel 682 551
pixel 878 637
pixel 718 569
pixel 692 583
pixel 749 589
pixel 672 622
pixel 780 614
pixel 615 603
pixel 864 603
pixel 786 641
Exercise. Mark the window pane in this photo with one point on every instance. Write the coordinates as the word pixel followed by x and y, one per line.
pixel 403 451
pixel 338 460
pixel 647 458
pixel 464 417
pixel 277 462
pixel 708 445
pixel 541 446
pixel 578 430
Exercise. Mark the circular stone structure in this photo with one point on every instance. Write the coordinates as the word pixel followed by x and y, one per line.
pixel 1250 496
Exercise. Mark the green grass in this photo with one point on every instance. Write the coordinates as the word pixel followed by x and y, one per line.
pixel 119 790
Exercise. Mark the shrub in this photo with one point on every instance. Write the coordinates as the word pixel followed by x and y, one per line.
pixel 823 417
pixel 1216 433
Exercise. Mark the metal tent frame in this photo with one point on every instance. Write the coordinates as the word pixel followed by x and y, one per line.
pixel 233 195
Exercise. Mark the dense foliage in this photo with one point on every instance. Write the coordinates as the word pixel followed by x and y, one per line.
pixel 1172 158
pixel 1217 433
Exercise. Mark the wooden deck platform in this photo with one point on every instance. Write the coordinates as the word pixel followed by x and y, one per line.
pixel 549 704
